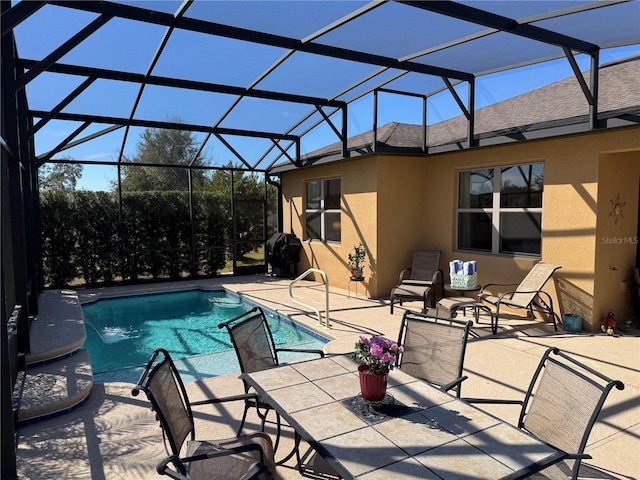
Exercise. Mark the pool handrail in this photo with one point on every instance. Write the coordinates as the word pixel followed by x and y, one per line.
pixel 326 290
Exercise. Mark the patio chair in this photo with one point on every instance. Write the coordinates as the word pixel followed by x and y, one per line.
pixel 561 406
pixel 527 295
pixel 242 457
pixel 419 281
pixel 256 350
pixel 434 349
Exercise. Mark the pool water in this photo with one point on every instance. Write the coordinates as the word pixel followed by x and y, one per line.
pixel 123 332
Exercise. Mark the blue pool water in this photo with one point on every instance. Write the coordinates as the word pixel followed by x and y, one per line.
pixel 123 332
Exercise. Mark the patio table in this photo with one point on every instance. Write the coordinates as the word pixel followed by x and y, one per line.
pixel 417 431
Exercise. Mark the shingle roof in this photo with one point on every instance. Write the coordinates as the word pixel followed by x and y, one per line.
pixel 558 104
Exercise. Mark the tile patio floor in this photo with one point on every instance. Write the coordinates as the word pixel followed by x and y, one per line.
pixel 115 435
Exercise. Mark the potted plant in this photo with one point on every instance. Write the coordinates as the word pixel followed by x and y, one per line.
pixel 356 261
pixel 375 356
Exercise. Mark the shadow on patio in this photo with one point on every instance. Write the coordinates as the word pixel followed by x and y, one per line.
pixel 115 435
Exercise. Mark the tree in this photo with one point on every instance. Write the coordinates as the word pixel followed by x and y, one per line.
pixel 249 205
pixel 162 147
pixel 59 176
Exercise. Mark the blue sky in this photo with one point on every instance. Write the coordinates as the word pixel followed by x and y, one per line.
pixel 116 46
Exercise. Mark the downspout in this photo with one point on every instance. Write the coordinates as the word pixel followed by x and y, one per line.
pixel 279 206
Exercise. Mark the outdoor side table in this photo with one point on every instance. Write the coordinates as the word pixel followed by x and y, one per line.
pixel 453 304
pixel 356 281
pixel 461 291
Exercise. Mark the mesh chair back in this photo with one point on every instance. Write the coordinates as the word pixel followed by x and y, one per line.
pixel 229 458
pixel 425 264
pixel 567 399
pixel 434 347
pixel 533 282
pixel 168 398
pixel 253 341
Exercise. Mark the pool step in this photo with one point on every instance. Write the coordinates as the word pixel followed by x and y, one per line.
pixel 58 330
pixel 58 376
pixel 55 388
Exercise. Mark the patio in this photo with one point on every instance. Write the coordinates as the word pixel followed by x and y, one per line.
pixel 115 435
pixel 413 95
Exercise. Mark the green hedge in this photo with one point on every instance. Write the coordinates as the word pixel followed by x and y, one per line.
pixel 81 236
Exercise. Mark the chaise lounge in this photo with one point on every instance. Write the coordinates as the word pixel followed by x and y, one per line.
pixel 527 295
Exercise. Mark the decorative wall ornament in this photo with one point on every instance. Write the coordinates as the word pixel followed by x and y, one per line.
pixel 616 209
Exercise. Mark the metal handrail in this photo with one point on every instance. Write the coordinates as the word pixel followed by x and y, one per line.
pixel 326 290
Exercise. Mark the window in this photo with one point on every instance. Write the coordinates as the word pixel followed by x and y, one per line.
pixel 323 210
pixel 500 209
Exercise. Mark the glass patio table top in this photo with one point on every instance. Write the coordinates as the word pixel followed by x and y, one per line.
pixel 418 431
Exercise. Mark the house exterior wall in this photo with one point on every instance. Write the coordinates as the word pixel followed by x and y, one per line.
pixel 575 216
pixel 358 219
pixel 401 215
pixel 617 235
pixel 397 204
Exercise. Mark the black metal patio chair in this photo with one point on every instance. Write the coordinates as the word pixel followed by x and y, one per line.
pixel 434 349
pixel 419 281
pixel 243 457
pixel 256 351
pixel 561 406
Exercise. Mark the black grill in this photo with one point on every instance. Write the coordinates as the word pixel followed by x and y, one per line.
pixel 283 253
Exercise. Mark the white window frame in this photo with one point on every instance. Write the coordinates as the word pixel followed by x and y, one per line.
pixel 322 210
pixel 496 210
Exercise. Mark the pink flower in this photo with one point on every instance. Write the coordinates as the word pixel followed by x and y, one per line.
pixel 388 358
pixel 377 353
pixel 376 350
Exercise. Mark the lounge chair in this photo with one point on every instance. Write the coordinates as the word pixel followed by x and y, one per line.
pixel 243 457
pixel 419 281
pixel 527 295
pixel 561 406
pixel 256 350
pixel 434 349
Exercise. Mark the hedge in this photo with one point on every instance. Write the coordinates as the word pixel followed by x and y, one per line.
pixel 83 236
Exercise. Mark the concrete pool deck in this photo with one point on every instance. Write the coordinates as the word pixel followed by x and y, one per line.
pixel 115 436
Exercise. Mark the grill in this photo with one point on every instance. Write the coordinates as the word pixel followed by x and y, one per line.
pixel 283 252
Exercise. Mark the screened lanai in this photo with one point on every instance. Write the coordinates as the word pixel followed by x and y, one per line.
pixel 249 88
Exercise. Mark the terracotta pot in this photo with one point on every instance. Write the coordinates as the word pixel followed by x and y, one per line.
pixel 372 387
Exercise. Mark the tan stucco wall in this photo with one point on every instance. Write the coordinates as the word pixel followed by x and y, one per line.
pixel 574 216
pixel 397 204
pixel 359 223
pixel 616 241
pixel 400 216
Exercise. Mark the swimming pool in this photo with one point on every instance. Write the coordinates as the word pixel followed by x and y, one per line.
pixel 122 333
